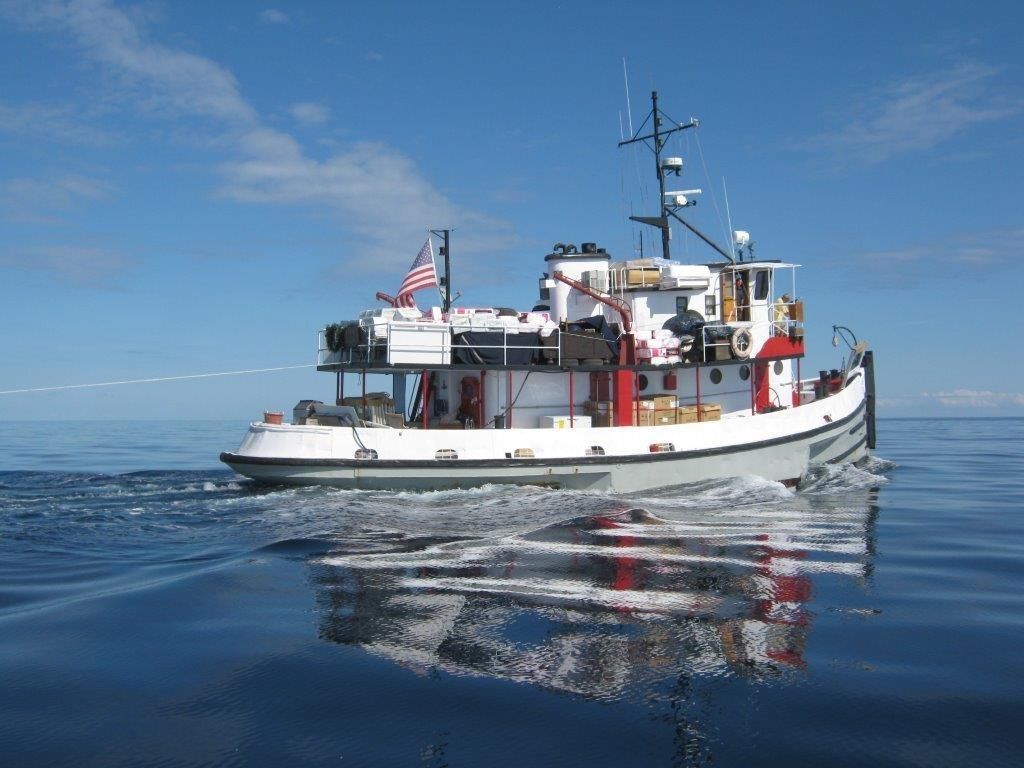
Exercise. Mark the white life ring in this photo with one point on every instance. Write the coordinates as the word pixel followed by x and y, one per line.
pixel 741 343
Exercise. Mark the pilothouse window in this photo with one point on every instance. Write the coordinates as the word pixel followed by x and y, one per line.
pixel 761 285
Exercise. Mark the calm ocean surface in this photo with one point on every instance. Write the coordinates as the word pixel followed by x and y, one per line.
pixel 158 610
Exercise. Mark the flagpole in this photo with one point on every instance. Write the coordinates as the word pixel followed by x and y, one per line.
pixel 446 252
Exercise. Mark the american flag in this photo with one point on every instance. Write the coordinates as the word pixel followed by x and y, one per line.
pixel 421 275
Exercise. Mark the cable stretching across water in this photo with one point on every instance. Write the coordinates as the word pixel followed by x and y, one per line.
pixel 150 381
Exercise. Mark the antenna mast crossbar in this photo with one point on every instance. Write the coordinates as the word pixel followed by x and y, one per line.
pixel 655 140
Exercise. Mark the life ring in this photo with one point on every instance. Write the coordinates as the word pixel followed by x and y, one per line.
pixel 741 343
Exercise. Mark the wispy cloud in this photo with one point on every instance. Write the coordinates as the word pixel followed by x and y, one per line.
pixel 309 113
pixel 49 122
pixel 77 265
pixel 274 16
pixel 975 398
pixel 917 113
pixel 375 191
pixel 949 257
pixel 36 200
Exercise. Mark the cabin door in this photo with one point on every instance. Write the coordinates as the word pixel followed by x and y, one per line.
pixel 735 290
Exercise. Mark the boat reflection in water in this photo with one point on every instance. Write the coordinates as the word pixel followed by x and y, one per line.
pixel 608 605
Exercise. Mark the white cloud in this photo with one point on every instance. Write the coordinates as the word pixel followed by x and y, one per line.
pixel 917 113
pixel 975 398
pixel 30 200
pixel 309 113
pixel 951 256
pixel 375 191
pixel 274 16
pixel 74 264
pixel 61 123
pixel 154 75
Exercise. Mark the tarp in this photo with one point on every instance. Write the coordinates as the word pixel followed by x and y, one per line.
pixel 486 348
pixel 602 327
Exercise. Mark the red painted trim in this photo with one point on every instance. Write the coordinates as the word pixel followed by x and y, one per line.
pixel 760 390
pixel 622 397
pixel 780 346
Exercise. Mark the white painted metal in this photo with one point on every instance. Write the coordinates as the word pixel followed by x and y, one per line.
pixel 777 446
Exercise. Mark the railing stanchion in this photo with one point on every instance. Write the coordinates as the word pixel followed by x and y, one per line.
pixel 697 378
pixel 572 397
pixel 424 386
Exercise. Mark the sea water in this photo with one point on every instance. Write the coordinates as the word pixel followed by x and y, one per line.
pixel 156 609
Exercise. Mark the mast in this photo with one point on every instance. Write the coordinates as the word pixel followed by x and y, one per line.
pixel 658 145
pixel 655 140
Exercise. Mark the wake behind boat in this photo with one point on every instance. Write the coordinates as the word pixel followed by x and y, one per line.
pixel 624 375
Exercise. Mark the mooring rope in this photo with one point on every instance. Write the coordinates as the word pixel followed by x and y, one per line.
pixel 156 379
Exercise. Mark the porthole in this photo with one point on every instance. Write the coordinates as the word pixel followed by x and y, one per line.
pixel 366 453
pixel 446 454
pixel 523 453
pixel 715 376
pixel 777 367
pixel 642 382
pixel 744 372
pixel 595 450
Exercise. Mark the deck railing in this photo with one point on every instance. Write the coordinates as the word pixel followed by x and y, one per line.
pixel 386 351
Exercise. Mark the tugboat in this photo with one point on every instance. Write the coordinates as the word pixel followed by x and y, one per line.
pixel 624 376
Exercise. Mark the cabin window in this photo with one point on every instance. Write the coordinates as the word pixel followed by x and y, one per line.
pixel 446 454
pixel 761 285
pixel 709 306
pixel 595 450
pixel 366 453
pixel 715 376
pixel 682 304
pixel 777 367
pixel 523 453
pixel 744 372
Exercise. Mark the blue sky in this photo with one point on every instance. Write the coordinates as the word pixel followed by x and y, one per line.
pixel 198 187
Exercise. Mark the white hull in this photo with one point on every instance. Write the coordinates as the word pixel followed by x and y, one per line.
pixel 777 446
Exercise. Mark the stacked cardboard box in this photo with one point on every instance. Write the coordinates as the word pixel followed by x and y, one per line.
pixel 648 411
pixel 687 414
pixel 601 412
pixel 710 412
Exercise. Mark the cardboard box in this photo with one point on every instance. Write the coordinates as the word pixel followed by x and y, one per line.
pixel 659 402
pixel 644 418
pixel 796 311
pixel 602 420
pixel 686 414
pixel 661 418
pixel 710 412
pixel 643 276
pixel 598 406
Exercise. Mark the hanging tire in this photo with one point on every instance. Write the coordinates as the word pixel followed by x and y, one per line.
pixel 741 343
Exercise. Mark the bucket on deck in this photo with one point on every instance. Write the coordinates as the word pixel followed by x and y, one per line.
pixel 273 417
